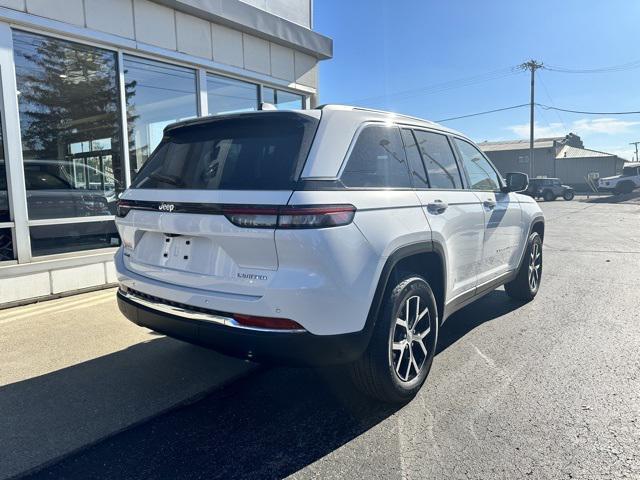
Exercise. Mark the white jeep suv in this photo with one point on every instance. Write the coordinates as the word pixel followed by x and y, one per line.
pixel 334 235
pixel 627 182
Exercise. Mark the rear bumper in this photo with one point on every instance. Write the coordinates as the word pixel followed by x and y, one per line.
pixel 290 348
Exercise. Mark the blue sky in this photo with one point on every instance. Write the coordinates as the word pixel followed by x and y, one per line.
pixel 393 54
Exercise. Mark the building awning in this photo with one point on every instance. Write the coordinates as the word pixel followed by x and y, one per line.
pixel 254 21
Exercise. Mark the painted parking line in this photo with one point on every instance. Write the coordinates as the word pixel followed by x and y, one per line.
pixel 45 308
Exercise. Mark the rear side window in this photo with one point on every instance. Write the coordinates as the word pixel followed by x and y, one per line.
pixel 377 160
pixel 438 157
pixel 416 167
pixel 263 151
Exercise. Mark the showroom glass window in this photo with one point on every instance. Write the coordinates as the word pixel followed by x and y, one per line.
pixel 6 238
pixel 68 98
pixel 157 94
pixel 227 95
pixel 283 100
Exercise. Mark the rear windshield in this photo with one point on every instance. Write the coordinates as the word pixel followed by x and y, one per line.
pixel 264 151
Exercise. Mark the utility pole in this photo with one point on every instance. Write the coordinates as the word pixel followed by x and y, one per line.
pixel 532 65
pixel 636 144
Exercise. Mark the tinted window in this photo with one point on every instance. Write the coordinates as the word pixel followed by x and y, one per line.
pixel 482 176
pixel 416 167
pixel 6 244
pixel 248 152
pixel 53 239
pixel 377 160
pixel 629 171
pixel 36 177
pixel 442 169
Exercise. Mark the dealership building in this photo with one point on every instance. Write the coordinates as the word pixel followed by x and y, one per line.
pixel 87 87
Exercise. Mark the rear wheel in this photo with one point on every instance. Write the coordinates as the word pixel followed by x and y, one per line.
pixel 625 187
pixel 402 346
pixel 568 195
pixel 527 282
pixel 548 196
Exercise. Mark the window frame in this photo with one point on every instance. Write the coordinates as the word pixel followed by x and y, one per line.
pixel 466 173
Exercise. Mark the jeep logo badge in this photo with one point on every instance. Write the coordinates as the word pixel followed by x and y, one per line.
pixel 166 207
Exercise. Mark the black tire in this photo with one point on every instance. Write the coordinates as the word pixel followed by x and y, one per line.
pixel 626 187
pixel 548 196
pixel 568 195
pixel 375 373
pixel 521 287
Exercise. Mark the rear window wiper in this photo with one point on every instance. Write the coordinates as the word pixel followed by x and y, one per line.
pixel 170 179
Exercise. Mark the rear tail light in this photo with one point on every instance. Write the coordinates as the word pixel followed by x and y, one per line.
pixel 289 217
pixel 122 208
pixel 266 322
pixel 252 217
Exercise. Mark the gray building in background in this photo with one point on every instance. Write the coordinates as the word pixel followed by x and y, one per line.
pixel 555 157
pixel 87 88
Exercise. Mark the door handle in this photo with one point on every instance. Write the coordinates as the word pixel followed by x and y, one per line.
pixel 490 204
pixel 437 206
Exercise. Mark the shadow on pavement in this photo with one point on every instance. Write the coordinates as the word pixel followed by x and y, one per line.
pixel 268 425
pixel 49 415
pixel 621 198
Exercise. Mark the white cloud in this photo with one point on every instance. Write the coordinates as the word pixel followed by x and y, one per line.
pixel 627 153
pixel 551 130
pixel 605 126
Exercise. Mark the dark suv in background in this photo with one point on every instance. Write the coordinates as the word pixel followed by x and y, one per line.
pixel 549 189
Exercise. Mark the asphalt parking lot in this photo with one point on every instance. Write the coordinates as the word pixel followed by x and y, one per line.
pixel 546 390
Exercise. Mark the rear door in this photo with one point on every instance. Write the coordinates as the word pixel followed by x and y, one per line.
pixel 503 231
pixel 202 211
pixel 455 215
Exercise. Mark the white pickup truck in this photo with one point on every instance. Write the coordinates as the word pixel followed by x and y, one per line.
pixel 628 181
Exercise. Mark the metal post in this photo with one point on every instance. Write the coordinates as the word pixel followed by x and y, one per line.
pixel 636 144
pixel 532 65
pixel 203 97
pixel 531 120
pixel 13 147
pixel 124 127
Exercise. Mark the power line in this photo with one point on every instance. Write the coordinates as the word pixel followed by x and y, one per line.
pixel 541 105
pixel 546 90
pixel 614 68
pixel 548 107
pixel 483 113
pixel 442 86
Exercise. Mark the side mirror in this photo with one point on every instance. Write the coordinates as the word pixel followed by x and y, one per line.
pixel 516 182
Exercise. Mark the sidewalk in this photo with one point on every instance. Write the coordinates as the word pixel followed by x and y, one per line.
pixel 74 370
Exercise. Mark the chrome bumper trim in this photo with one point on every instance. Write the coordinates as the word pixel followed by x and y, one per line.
pixel 201 316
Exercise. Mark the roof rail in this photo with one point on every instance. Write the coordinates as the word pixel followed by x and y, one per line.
pixel 364 109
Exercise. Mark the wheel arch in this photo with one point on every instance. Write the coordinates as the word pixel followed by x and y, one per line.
pixel 426 259
pixel 537 226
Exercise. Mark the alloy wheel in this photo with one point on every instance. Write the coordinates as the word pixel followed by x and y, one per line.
pixel 535 264
pixel 408 342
